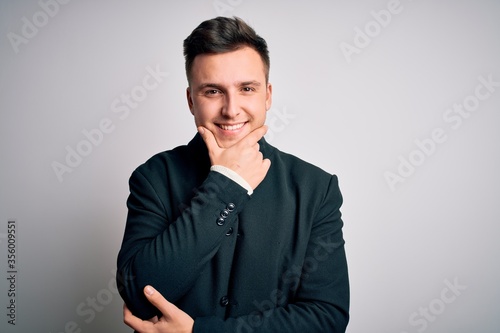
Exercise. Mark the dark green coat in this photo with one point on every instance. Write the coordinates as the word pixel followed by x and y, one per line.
pixel 270 262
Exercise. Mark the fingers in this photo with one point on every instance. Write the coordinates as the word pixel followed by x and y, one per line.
pixel 244 157
pixel 173 319
pixel 266 164
pixel 157 299
pixel 209 138
pixel 130 320
pixel 253 137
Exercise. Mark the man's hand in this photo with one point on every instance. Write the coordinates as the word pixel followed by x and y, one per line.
pixel 244 157
pixel 174 320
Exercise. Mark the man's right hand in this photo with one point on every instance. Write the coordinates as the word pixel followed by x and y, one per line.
pixel 244 157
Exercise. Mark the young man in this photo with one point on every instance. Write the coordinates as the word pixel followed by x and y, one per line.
pixel 227 233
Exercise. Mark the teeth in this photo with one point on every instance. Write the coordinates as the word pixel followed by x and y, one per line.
pixel 231 127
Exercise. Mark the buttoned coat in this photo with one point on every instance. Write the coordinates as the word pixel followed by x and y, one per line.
pixel 272 261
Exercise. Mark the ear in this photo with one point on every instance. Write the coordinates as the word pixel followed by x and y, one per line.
pixel 189 99
pixel 269 96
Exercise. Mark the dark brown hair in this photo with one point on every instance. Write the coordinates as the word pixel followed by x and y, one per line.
pixel 223 34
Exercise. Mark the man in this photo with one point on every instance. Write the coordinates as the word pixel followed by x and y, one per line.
pixel 227 233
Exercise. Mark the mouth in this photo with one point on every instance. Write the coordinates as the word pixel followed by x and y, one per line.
pixel 231 127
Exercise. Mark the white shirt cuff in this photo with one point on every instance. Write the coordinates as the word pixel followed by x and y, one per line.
pixel 231 174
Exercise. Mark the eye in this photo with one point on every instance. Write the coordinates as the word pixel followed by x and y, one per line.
pixel 212 92
pixel 247 89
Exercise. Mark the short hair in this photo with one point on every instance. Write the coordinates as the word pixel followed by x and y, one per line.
pixel 220 35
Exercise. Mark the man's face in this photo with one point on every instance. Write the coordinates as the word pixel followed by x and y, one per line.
pixel 228 94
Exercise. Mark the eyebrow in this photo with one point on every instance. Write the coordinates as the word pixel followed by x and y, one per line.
pixel 249 83
pixel 220 87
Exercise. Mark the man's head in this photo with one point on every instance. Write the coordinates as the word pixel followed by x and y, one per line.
pixel 220 35
pixel 227 66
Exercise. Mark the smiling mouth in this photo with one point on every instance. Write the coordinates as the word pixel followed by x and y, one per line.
pixel 234 127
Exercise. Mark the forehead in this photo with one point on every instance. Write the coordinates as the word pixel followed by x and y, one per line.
pixel 244 64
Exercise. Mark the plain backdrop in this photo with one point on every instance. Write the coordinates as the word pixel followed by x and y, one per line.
pixel 400 99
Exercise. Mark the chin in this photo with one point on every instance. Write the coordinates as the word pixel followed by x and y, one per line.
pixel 226 143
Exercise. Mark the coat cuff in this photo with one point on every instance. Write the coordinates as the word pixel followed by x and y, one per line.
pixel 233 176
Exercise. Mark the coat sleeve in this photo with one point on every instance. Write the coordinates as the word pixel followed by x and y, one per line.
pixel 171 254
pixel 322 298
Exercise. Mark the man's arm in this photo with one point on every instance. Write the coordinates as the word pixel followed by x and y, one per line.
pixel 180 249
pixel 322 299
pixel 171 255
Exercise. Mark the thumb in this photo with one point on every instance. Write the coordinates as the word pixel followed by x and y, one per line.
pixel 157 299
pixel 209 138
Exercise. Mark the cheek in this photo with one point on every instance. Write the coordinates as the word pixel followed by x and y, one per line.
pixel 199 119
pixel 260 111
pixel 203 113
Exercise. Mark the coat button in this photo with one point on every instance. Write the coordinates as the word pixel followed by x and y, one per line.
pixel 220 221
pixel 224 213
pixel 230 206
pixel 224 301
pixel 229 232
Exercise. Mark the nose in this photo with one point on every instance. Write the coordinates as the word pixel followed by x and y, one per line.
pixel 230 108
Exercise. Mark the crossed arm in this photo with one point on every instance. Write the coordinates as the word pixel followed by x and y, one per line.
pixel 246 160
pixel 320 302
pixel 173 319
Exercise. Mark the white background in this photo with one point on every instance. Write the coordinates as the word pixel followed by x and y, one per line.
pixel 357 115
